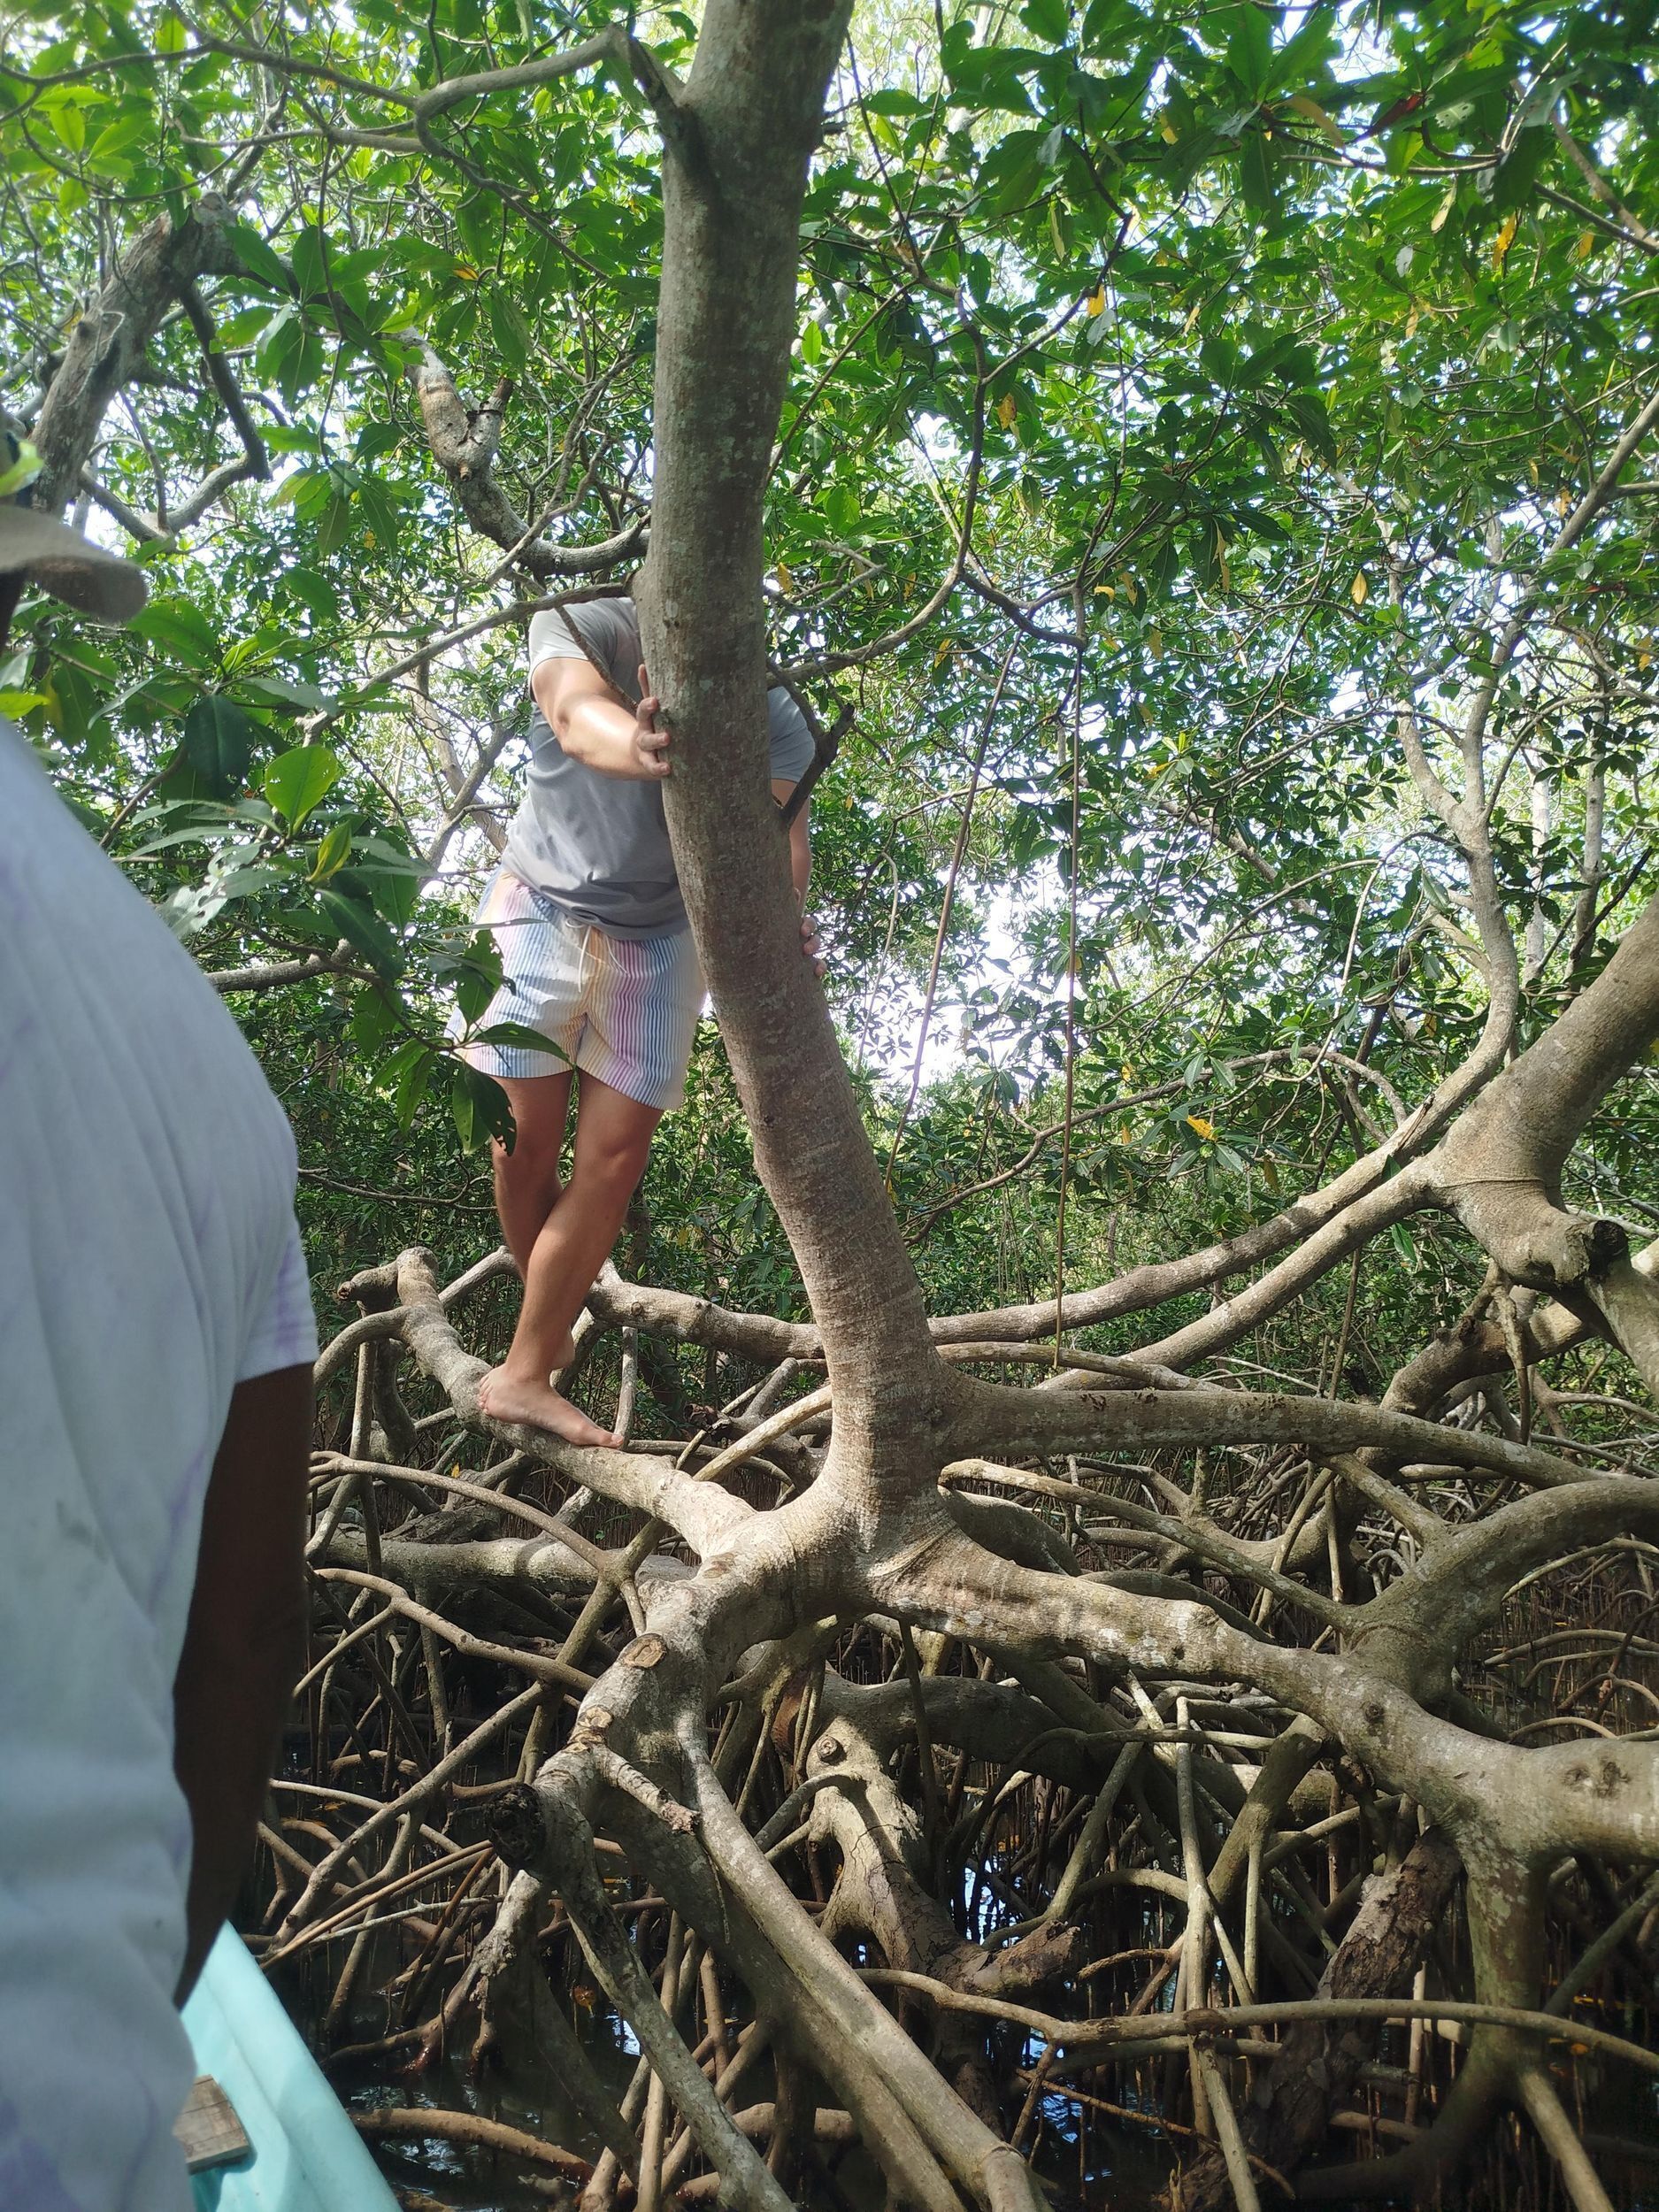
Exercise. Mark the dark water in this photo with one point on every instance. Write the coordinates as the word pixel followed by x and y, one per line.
pixel 1094 2166
pixel 1088 2162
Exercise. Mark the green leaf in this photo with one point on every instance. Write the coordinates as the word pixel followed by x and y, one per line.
pixel 1249 46
pixel 518 1037
pixel 119 138
pixel 390 879
pixel 291 694
pixel 1256 174
pixel 218 742
pixel 257 259
pixel 377 1013
pixel 314 592
pixel 1517 172
pixel 479 1107
pixel 313 261
pixel 514 339
pixel 179 626
pixel 376 438
pixel 475 977
pixel 336 523
pixel 360 926
pixel 298 780
pixel 406 1073
pixel 1307 409
pixel 68 120
pixel 1047 20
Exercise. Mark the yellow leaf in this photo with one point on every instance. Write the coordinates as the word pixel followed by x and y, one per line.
pixel 1301 104
pixel 1206 1129
pixel 1123 1135
pixel 1167 133
pixel 1105 591
pixel 943 653
pixel 1130 593
pixel 465 269
pixel 1357 589
pixel 1007 408
pixel 1644 660
pixel 333 852
pixel 1504 240
pixel 1414 318
pixel 1155 643
pixel 1584 245
pixel 1096 301
pixel 1437 221
pixel 786 581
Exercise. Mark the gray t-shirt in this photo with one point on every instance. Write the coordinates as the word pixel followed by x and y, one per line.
pixel 598 845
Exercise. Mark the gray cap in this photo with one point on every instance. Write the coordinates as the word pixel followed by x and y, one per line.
pixel 60 561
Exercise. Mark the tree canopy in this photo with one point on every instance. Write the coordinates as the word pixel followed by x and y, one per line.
pixel 1204 461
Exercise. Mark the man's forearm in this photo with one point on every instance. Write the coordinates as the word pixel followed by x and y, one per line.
pixel 228 1705
pixel 243 1642
pixel 600 734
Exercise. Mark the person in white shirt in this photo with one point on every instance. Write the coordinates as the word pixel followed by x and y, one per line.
pixel 155 1350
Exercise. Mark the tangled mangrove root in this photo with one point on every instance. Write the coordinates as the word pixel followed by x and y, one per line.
pixel 1247 1791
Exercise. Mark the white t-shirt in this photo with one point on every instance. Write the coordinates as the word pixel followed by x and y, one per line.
pixel 149 1262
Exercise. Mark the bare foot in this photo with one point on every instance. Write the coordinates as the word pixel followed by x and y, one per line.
pixel 538 1406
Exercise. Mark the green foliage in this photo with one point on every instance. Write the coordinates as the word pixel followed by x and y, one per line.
pixel 297 782
pixel 1269 350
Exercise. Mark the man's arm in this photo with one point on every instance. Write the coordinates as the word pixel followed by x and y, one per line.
pixel 800 841
pixel 595 725
pixel 800 872
pixel 244 1641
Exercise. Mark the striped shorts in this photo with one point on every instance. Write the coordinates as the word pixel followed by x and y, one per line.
pixel 622 1010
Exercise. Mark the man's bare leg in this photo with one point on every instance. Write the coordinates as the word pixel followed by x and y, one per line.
pixel 527 1180
pixel 613 1140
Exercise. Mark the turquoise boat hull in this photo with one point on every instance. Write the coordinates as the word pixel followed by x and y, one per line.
pixel 306 2155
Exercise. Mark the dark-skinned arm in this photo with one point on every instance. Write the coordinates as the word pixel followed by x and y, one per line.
pixel 244 1641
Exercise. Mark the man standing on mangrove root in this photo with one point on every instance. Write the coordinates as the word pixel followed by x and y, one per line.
pixel 596 956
